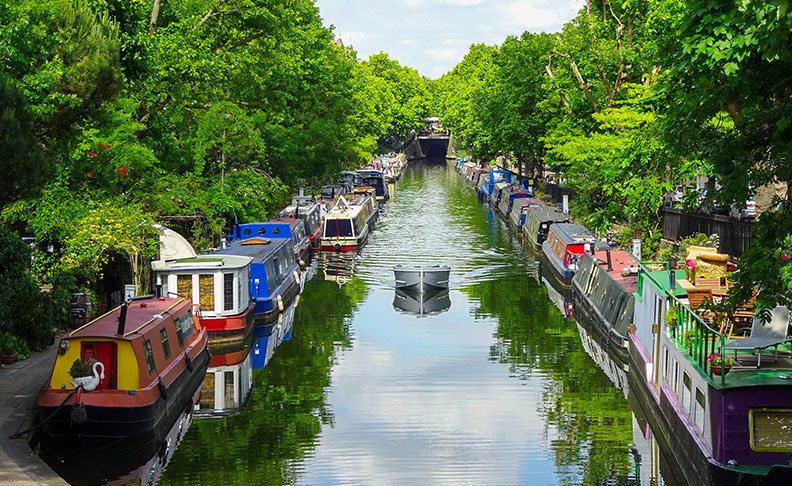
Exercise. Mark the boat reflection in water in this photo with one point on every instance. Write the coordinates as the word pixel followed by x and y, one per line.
pixel 644 450
pixel 338 267
pixel 268 338
pixel 123 462
pixel 229 380
pixel 427 303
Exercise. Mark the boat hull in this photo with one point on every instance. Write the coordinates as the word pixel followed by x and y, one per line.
pixel 122 414
pixel 681 447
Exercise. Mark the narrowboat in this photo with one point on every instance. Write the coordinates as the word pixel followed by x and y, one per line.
pixel 348 224
pixel 375 179
pixel 486 183
pixel 328 196
pixel 279 228
pixel 475 175
pixel 228 382
pixel 562 250
pixel 602 292
pixel 146 359
pixel 308 210
pixel 508 197
pixel 538 220
pixel 350 178
pixel 519 211
pixel 274 273
pixel 219 284
pixel 717 426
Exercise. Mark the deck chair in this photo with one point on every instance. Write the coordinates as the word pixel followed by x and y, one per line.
pixel 764 336
pixel 695 298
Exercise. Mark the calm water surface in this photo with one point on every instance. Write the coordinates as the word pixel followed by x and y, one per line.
pixel 496 389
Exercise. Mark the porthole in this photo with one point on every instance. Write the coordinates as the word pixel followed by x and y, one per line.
pixel 247 232
pixel 275 230
pixel 261 231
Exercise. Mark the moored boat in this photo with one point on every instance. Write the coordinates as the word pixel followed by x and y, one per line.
pixel 274 273
pixel 508 197
pixel 279 228
pixel 602 292
pixel 488 180
pixel 147 358
pixel 562 250
pixel 375 179
pixel 538 220
pixel 519 211
pixel 348 224
pixel 728 428
pixel 309 211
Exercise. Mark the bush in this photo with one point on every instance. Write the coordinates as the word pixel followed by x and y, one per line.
pixel 25 311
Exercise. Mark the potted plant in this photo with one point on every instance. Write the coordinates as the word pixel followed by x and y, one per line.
pixel 670 317
pixel 719 365
pixel 9 348
pixel 687 339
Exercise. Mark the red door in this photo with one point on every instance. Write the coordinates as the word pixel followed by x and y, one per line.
pixel 104 354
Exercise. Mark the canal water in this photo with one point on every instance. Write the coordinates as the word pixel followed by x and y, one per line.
pixel 489 385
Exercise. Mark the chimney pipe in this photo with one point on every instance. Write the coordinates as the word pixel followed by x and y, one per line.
pixel 122 319
pixel 159 290
pixel 610 262
pixel 671 276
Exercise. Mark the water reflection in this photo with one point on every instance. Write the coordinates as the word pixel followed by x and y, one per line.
pixel 228 381
pixel 422 303
pixel 139 460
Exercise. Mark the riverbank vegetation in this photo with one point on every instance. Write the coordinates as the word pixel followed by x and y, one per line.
pixel 632 98
pixel 119 114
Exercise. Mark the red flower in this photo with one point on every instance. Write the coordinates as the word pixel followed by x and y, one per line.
pixel 784 257
pixel 90 175
pixel 100 145
pixel 96 155
pixel 121 171
pixel 74 149
pixel 107 146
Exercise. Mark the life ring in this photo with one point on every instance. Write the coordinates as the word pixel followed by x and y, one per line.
pixel 163 391
pixel 280 303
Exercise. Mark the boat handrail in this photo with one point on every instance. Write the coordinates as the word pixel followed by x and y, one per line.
pixel 702 340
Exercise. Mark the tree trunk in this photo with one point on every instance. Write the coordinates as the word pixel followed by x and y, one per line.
pixel 583 86
pixel 155 10
pixel 558 86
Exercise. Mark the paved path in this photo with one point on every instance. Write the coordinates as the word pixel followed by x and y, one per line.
pixel 19 387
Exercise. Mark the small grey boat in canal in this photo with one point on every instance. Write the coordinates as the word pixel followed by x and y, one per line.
pixel 421 278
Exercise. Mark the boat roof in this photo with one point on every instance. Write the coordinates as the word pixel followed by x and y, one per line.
pixel 572 233
pixel 546 213
pixel 292 222
pixel 277 228
pixel 620 260
pixel 202 262
pixel 142 314
pixel 257 248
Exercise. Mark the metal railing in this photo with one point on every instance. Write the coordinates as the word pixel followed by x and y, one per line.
pixel 692 335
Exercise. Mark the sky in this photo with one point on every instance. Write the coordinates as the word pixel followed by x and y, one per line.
pixel 432 36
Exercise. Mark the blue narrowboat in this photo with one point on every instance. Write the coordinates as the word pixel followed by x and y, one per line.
pixel 486 182
pixel 274 273
pixel 279 228
pixel 375 179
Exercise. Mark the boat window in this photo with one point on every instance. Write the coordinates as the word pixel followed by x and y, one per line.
pixel 228 291
pixel 229 389
pixel 261 231
pixel 149 356
pixel 338 227
pixel 275 230
pixel 769 429
pixel 676 377
pixel 698 410
pixel 665 364
pixel 165 345
pixel 184 286
pixel 272 272
pixel 206 292
pixel 687 387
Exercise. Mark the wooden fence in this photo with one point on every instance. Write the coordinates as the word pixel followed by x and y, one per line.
pixel 735 235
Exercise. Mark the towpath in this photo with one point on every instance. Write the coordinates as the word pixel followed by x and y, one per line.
pixel 19 386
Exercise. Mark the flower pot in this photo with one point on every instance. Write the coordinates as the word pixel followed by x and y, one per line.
pixel 720 370
pixel 8 359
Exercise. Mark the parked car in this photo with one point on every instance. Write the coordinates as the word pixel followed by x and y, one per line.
pixel 709 204
pixel 747 211
pixel 674 197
